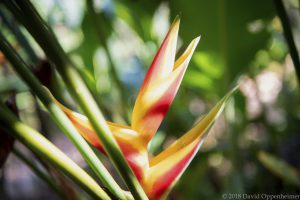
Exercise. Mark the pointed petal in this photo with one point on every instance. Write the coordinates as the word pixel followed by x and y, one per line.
pixel 82 124
pixel 134 150
pixel 163 62
pixel 167 167
pixel 153 103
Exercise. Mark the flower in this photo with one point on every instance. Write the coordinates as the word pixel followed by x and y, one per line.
pixel 158 174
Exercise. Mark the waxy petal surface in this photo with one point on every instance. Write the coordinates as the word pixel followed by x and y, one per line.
pixel 153 102
pixel 167 167
pixel 134 150
pixel 163 62
pixel 160 68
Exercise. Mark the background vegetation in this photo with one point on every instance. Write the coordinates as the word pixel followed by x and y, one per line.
pixel 253 148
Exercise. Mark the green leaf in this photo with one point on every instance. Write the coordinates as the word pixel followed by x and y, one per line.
pixel 232 31
pixel 43 147
pixel 280 168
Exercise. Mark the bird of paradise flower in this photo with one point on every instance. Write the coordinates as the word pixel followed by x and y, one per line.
pixel 157 175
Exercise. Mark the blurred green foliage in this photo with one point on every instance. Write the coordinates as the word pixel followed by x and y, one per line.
pixel 241 41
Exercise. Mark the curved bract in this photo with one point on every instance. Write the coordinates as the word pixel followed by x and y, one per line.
pixel 158 174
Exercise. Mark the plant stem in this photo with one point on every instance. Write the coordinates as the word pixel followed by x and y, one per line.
pixel 91 84
pixel 288 35
pixel 42 175
pixel 44 148
pixel 48 42
pixel 14 28
pixel 60 118
pixel 102 40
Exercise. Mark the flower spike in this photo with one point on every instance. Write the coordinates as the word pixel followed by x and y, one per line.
pixel 160 85
pixel 159 174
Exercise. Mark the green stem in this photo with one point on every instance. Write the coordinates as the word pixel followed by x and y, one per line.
pixel 48 42
pixel 42 175
pixel 14 28
pixel 91 84
pixel 288 35
pixel 44 148
pixel 60 118
pixel 101 37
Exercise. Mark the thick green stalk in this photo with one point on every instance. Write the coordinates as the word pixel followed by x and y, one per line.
pixel 60 118
pixel 287 30
pixel 39 173
pixel 44 148
pixel 47 40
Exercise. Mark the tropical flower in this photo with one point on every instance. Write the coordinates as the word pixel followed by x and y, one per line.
pixel 158 174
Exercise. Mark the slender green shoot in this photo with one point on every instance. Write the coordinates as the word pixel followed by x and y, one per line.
pixel 48 42
pixel 44 148
pixel 60 118
pixel 101 36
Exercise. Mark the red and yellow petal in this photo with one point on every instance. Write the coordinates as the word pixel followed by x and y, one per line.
pixel 153 103
pixel 134 150
pixel 166 168
pixel 163 62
